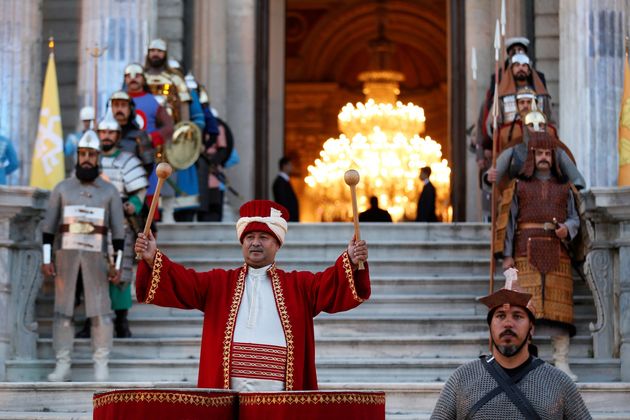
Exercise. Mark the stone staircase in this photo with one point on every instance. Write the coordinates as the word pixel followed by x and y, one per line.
pixel 421 323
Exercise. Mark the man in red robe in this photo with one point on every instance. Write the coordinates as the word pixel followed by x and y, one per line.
pixel 258 320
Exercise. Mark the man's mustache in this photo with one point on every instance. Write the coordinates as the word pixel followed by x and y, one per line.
pixel 507 332
pixel 544 161
pixel 255 249
pixel 119 114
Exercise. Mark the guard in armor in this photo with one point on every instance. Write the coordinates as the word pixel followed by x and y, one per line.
pixel 82 210
pixel 542 221
pixel 133 138
pixel 519 75
pixel 125 171
pixel 166 83
pixel 511 383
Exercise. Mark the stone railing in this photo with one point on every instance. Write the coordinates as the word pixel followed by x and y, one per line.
pixel 607 268
pixel 21 209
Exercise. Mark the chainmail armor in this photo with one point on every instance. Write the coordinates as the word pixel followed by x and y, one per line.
pixel 551 392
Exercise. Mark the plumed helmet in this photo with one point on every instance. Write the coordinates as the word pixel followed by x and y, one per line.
pixel 86 113
pixel 510 294
pixel 157 44
pixel 89 140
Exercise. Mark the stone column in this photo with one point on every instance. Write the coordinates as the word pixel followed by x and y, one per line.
pixel 124 28
pixel 240 100
pixel 21 209
pixel 607 266
pixel 209 50
pixel 20 77
pixel 591 81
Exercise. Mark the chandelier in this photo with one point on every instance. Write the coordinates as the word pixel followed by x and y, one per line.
pixel 381 139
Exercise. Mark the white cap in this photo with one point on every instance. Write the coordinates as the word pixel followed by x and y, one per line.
pixel 521 59
pixel 510 42
pixel 120 95
pixel 86 113
pixel 109 122
pixel 190 81
pixel 89 140
pixel 157 44
pixel 134 69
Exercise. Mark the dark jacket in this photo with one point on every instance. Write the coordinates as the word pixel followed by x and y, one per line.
pixel 283 194
pixel 426 204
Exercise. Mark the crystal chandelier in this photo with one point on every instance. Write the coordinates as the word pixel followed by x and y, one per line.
pixel 381 139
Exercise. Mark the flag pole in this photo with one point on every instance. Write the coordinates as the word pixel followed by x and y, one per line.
pixel 495 147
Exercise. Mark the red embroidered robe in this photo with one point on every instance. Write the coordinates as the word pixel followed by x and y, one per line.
pixel 299 295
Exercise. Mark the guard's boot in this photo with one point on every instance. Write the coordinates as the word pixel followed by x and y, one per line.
pixel 85 331
pixel 560 345
pixel 122 324
pixel 102 339
pixel 62 371
pixel 168 207
pixel 63 340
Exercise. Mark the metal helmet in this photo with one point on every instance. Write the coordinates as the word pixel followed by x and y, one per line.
pixel 535 118
pixel 525 93
pixel 120 95
pixel 521 59
pixel 134 69
pixel 157 44
pixel 89 140
pixel 191 83
pixel 517 40
pixel 86 113
pixel 109 122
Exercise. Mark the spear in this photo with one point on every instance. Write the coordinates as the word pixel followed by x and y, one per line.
pixel 503 24
pixel 495 146
pixel 96 53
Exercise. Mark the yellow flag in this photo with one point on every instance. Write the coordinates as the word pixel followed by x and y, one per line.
pixel 624 128
pixel 48 159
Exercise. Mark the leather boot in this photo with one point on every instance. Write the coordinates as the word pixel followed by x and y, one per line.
pixel 122 324
pixel 560 345
pixel 63 340
pixel 102 340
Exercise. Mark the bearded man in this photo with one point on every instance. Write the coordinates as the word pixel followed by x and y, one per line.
pixel 83 209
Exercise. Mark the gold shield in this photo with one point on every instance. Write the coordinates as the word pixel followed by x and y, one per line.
pixel 185 147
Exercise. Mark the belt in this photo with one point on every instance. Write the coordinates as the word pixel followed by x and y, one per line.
pixel 84 228
pixel 543 226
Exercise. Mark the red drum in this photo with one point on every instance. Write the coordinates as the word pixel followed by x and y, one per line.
pixel 165 404
pixel 311 405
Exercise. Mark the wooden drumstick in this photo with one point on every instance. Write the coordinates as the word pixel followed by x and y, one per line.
pixel 352 179
pixel 163 171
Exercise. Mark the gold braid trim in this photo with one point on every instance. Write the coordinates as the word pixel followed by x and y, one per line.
pixel 286 324
pixel 312 398
pixel 347 267
pixel 155 276
pixel 231 323
pixel 164 398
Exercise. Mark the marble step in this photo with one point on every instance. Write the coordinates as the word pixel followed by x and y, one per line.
pixel 392 304
pixel 346 324
pixel 307 249
pixel 439 347
pixel 356 370
pixel 378 266
pixel 606 401
pixel 324 232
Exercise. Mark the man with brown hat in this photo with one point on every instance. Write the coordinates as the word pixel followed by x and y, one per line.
pixel 512 383
pixel 258 320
